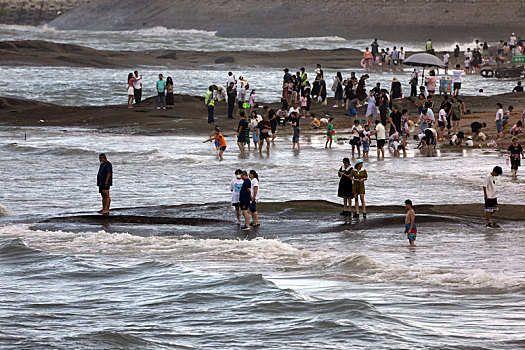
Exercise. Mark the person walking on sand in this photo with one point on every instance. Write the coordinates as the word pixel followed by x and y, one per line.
pixel 131 90
pixel 514 152
pixel 245 199
pixel 345 186
pixel 160 85
pixel 104 182
pixel 489 193
pixel 235 189
pixel 359 176
pixel 329 133
pixel 242 130
pixel 137 88
pixel 222 142
pixel 410 223
pixel 254 193
pixel 209 101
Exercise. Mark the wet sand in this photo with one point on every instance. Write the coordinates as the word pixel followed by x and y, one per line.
pixel 189 116
pixel 316 217
pixel 44 53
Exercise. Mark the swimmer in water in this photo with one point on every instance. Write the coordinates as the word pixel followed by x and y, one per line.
pixel 410 223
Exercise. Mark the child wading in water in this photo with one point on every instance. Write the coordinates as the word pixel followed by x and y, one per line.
pixel 359 176
pixel 515 151
pixel 329 133
pixel 410 223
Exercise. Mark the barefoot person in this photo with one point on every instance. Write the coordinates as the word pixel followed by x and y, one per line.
pixel 104 182
pixel 222 142
pixel 514 152
pixel 264 133
pixel 242 131
pixel 345 187
pixel 359 176
pixel 489 192
pixel 235 188
pixel 410 223
pixel 254 192
pixel 329 133
pixel 245 199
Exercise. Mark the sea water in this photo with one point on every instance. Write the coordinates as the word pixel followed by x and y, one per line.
pixel 339 288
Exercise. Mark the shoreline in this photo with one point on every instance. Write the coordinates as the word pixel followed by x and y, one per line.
pixel 190 115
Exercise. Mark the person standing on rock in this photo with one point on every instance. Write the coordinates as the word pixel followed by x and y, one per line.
pixel 375 49
pixel 137 86
pixel 161 87
pixel 104 182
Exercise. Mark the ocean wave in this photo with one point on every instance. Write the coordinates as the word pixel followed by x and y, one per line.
pixel 4 211
pixel 271 253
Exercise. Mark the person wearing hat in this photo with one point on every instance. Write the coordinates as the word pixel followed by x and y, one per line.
pixel 515 151
pixel 359 176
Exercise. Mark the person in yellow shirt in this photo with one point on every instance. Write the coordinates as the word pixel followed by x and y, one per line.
pixel 222 142
pixel 315 122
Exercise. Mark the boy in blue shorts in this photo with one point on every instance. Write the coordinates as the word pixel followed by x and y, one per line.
pixel 410 223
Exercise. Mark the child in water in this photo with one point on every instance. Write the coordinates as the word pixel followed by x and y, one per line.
pixel 329 133
pixel 222 142
pixel 410 223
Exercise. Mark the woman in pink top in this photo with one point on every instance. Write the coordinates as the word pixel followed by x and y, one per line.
pixel 251 100
pixel 431 82
pixel 131 90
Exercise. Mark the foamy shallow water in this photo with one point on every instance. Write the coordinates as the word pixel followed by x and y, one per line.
pixel 339 289
pixel 73 86
pixel 160 38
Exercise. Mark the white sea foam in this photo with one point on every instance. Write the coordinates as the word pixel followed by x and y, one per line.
pixel 270 253
pixel 4 211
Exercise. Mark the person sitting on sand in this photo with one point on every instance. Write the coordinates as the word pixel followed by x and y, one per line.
pixel 315 122
pixel 410 223
pixel 222 142
pixel 516 128
pixel 489 193
pixel 457 139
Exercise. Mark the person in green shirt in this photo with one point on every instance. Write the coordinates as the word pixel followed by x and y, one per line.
pixel 329 133
pixel 455 114
pixel 161 87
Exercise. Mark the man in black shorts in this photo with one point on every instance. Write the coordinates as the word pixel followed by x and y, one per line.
pixel 272 118
pixel 104 182
pixel 241 131
pixel 264 130
pixel 245 198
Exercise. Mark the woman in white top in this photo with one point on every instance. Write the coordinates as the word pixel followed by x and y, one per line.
pixel 235 188
pixel 499 119
pixel 254 178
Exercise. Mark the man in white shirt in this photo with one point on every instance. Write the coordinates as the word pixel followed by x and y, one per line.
pixel 512 41
pixel 446 58
pixel 137 88
pixel 442 122
pixel 294 109
pixel 456 79
pixel 231 79
pixel 380 137
pixel 489 192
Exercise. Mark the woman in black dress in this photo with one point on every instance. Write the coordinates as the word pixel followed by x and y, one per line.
pixel 345 187
pixel 360 91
